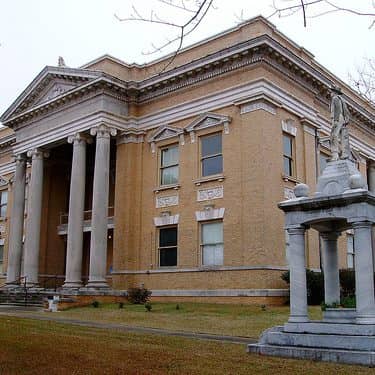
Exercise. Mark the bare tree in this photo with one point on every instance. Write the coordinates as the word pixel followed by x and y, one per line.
pixel 193 12
pixel 363 79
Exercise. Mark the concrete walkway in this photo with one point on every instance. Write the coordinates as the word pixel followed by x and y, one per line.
pixel 53 317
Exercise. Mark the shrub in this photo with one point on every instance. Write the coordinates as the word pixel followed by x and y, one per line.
pixel 95 304
pixel 347 282
pixel 177 307
pixel 315 286
pixel 148 306
pixel 138 295
pixel 121 305
pixel 348 302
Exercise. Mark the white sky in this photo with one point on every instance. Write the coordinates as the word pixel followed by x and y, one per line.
pixel 33 33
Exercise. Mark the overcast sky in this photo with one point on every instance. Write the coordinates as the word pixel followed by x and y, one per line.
pixel 34 33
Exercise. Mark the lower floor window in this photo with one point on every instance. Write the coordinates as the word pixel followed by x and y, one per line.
pixel 168 247
pixel 1 258
pixel 212 244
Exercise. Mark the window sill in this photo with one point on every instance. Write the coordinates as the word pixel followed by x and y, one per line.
pixel 216 177
pixel 216 267
pixel 167 187
pixel 290 178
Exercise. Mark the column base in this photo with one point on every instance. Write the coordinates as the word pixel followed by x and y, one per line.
pixel 97 284
pixel 72 285
pixel 298 319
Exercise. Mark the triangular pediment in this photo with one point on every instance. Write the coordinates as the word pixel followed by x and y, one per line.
pixel 165 132
pixel 50 83
pixel 207 120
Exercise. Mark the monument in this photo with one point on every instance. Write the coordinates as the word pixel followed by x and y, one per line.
pixel 342 201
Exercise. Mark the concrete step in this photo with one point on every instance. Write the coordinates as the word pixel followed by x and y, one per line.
pixel 366 358
pixel 346 342
pixel 325 328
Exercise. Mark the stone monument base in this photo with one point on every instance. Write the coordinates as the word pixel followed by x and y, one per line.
pixel 321 341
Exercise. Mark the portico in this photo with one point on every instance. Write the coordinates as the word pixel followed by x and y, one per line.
pixel 65 163
pixel 100 197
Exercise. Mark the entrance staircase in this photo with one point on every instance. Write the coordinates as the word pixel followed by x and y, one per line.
pixel 21 298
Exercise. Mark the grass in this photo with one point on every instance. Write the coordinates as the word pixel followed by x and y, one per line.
pixel 36 347
pixel 225 319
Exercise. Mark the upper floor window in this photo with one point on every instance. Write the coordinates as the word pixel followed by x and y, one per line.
pixel 168 247
pixel 169 165
pixel 3 203
pixel 288 154
pixel 211 154
pixel 212 244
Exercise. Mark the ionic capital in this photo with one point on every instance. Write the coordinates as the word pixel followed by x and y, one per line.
pixel 103 131
pixel 79 138
pixel 20 159
pixel 37 153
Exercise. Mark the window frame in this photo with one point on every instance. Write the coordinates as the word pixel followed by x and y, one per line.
pixel 202 245
pixel 3 204
pixel 167 247
pixel 2 245
pixel 202 158
pixel 291 158
pixel 162 168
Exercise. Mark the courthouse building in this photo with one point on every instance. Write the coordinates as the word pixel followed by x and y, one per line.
pixel 115 175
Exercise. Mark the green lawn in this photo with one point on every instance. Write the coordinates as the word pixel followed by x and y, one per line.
pixel 225 319
pixel 40 347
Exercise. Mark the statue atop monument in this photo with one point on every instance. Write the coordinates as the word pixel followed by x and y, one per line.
pixel 340 147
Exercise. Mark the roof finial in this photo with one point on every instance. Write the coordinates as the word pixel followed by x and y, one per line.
pixel 61 61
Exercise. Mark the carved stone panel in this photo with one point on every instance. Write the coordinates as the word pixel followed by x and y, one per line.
pixel 211 193
pixel 166 201
pixel 289 193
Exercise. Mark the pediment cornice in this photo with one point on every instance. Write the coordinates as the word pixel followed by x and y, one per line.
pixel 50 83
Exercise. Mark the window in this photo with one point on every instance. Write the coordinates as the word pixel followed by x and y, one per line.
pixel 1 257
pixel 3 203
pixel 212 244
pixel 288 151
pixel 323 160
pixel 350 250
pixel 169 165
pixel 168 247
pixel 211 154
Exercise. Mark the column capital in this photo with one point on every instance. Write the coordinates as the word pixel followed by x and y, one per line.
pixel 296 230
pixel 103 131
pixel 37 153
pixel 362 224
pixel 20 158
pixel 79 138
pixel 330 236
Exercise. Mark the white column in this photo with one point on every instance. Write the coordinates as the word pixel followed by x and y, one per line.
pixel 99 221
pixel 330 267
pixel 297 267
pixel 17 222
pixel 73 277
pixel 34 216
pixel 364 273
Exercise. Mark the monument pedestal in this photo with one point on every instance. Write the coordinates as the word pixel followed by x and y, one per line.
pixel 341 202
